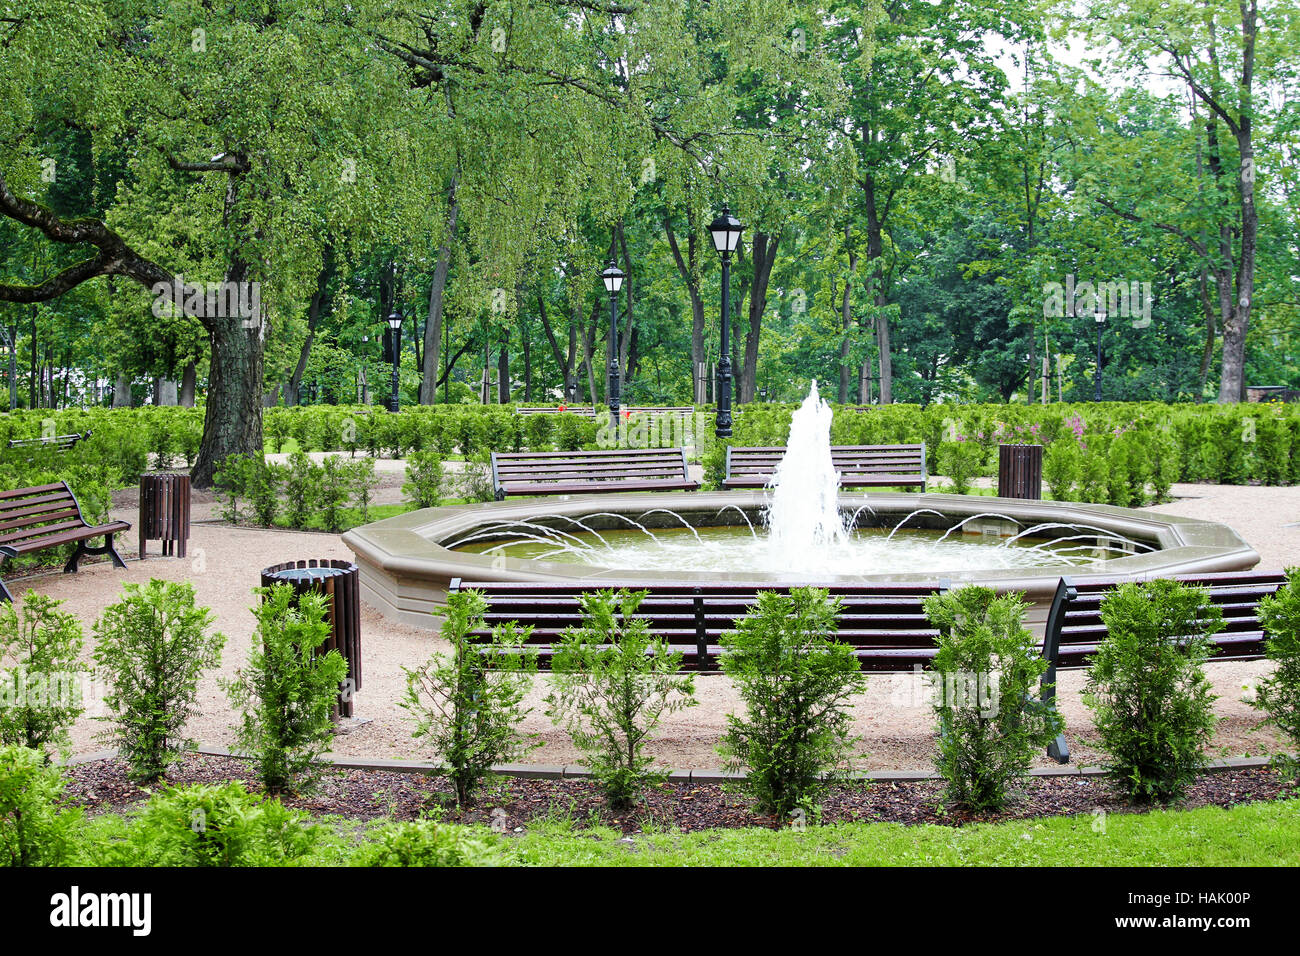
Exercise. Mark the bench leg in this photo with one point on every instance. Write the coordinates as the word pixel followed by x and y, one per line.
pixel 4 594
pixel 71 566
pixel 106 548
pixel 1059 750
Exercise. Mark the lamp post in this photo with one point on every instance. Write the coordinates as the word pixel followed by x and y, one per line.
pixel 613 278
pixel 726 230
pixel 395 336
pixel 1100 316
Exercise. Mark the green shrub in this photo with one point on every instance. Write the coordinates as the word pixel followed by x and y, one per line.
pixel 1278 694
pixel 796 682
pixel 36 828
pixel 987 668
pixel 614 683
pixel 231 482
pixel 363 482
pixel 1061 469
pixel 1095 484
pixel 153 646
pixel 476 480
pixel 1147 688
pixel 422 843
pixel 333 491
pixel 288 690
pixel 264 491
pixel 216 825
pixel 469 705
pixel 301 489
pixel 40 697
pixel 424 478
pixel 961 462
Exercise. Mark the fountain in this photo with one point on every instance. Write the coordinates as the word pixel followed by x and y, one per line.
pixel 804 514
pixel 799 530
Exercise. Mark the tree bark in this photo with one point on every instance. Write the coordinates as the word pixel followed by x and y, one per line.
pixel 433 327
pixel 875 251
pixel 764 249
pixel 687 269
pixel 189 381
pixel 294 385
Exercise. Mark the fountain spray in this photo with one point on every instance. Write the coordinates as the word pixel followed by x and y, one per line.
pixel 804 513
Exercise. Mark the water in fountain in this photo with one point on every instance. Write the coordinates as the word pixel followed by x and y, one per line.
pixel 803 516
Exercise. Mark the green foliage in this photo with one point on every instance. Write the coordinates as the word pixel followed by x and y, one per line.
pixel 1061 470
pixel 987 670
pixel 1278 694
pixel 334 486
pixel 1147 688
pixel 476 480
pixel 422 843
pixel 214 825
pixel 153 646
pixel 424 479
pixel 264 491
pixel 36 829
pixel 301 489
pixel 363 482
pixel 961 461
pixel 468 705
pixel 614 683
pixel 796 681
pixel 288 690
pixel 40 696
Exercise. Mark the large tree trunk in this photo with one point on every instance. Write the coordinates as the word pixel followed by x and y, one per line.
pixel 122 391
pixel 875 251
pixel 13 367
pixel 433 327
pixel 189 383
pixel 565 362
pixel 232 420
pixel 764 253
pixel 503 373
pixel 164 391
pixel 294 385
pixel 686 268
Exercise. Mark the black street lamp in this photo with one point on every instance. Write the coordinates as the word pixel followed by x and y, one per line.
pixel 395 340
pixel 726 230
pixel 613 278
pixel 1100 316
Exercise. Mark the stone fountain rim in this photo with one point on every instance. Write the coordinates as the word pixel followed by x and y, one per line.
pixel 403 549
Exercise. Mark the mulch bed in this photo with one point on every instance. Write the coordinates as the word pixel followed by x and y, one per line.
pixel 101 786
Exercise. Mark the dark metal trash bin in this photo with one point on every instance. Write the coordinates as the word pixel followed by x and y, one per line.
pixel 1020 471
pixel 165 512
pixel 337 580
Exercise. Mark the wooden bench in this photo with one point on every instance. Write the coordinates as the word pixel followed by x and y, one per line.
pixel 47 516
pixel 885 624
pixel 583 411
pixel 860 466
pixel 1074 626
pixel 658 411
pixel 590 472
pixel 57 442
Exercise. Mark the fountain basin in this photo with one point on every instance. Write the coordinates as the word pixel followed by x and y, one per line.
pixel 406 565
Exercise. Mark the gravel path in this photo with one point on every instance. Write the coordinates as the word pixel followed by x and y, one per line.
pixel 896 724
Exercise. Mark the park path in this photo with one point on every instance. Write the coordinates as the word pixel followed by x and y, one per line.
pixel 223 564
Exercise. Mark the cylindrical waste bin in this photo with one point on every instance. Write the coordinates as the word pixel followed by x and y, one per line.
pixel 165 512
pixel 338 581
pixel 1020 471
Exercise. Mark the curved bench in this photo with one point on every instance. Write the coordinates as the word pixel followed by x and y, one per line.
pixel 47 516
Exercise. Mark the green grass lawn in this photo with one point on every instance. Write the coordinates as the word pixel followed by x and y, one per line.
pixel 1261 834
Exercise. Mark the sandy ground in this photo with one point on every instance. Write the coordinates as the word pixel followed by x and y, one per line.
pixel 892 716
